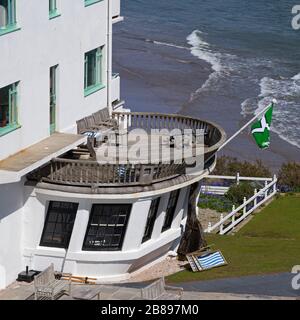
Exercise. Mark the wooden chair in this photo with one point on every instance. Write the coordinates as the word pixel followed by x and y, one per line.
pixel 158 290
pixel 102 117
pixel 83 128
pixel 47 287
pixel 90 123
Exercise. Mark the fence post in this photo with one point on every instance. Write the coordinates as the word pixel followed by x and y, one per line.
pixel 245 206
pixel 266 192
pixel 233 217
pixel 255 200
pixel 221 226
pixel 275 184
pixel 209 228
pixel 238 178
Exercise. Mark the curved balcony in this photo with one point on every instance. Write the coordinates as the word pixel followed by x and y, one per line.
pixel 91 176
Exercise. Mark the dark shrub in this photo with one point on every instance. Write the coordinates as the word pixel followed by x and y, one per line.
pixel 236 193
pixel 289 177
pixel 231 166
pixel 213 202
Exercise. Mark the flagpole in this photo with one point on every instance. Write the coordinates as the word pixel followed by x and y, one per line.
pixel 274 101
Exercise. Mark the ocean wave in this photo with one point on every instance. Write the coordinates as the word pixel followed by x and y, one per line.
pixel 296 77
pixel 167 44
pixel 202 50
pixel 286 115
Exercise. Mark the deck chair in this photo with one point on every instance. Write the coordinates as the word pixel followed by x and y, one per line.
pixel 102 117
pixel 205 260
pixel 83 128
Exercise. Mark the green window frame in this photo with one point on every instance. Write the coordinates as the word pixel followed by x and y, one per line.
pixel 53 97
pixel 9 109
pixel 53 12
pixel 8 16
pixel 90 2
pixel 93 79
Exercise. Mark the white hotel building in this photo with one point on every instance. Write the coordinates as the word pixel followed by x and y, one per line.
pixel 57 203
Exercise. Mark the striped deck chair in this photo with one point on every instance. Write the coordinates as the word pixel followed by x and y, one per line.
pixel 209 260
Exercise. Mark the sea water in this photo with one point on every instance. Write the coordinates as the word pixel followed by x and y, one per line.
pixel 251 46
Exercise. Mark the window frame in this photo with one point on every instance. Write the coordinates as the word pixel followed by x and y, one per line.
pixel 53 11
pixel 13 109
pixel 97 232
pixel 151 218
pixel 11 24
pixel 171 209
pixel 53 97
pixel 90 2
pixel 97 55
pixel 65 244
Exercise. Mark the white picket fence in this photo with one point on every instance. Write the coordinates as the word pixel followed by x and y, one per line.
pixel 237 215
pixel 220 190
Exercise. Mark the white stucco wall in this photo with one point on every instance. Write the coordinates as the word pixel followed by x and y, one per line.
pixel 26 57
pixel 28 54
pixel 11 223
pixel 105 265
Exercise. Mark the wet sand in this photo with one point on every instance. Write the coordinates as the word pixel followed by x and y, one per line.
pixel 159 78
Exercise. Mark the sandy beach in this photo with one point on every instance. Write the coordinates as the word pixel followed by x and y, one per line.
pixel 162 78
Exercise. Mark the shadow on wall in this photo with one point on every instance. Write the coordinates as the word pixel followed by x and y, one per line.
pixel 11 198
pixel 2 277
pixel 151 257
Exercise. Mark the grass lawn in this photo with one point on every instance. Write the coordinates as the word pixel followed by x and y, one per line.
pixel 269 243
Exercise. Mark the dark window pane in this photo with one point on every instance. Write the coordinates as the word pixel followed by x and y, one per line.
pixel 170 212
pixel 151 220
pixel 110 227
pixel 59 224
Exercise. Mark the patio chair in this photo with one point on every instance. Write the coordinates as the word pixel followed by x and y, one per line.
pixel 46 286
pixel 102 117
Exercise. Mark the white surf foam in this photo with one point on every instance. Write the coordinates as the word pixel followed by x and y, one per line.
pixel 166 44
pixel 287 111
pixel 202 50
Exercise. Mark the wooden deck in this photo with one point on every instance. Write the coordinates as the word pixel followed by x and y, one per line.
pixel 140 160
pixel 144 148
pixel 38 154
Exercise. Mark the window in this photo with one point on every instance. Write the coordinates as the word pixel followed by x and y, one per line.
pixel 8 108
pixel 7 16
pixel 107 227
pixel 53 12
pixel 53 98
pixel 170 210
pixel 59 224
pixel 151 220
pixel 89 2
pixel 93 71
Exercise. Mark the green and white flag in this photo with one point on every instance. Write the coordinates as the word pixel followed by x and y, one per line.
pixel 261 129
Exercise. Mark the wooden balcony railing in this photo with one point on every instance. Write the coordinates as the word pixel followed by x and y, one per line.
pixel 213 134
pixel 93 174
pixel 89 173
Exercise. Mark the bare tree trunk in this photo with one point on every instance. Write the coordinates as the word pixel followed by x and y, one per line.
pixel 193 237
